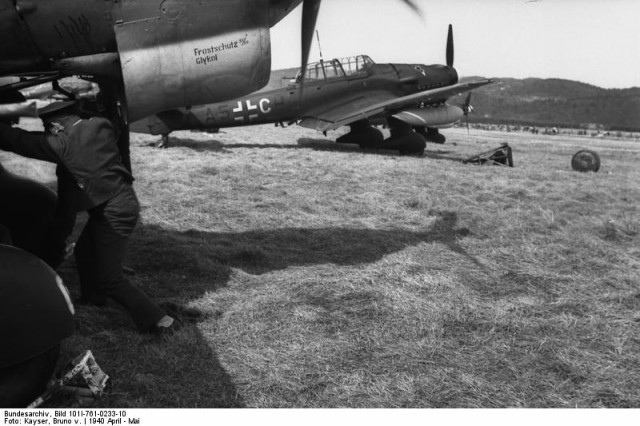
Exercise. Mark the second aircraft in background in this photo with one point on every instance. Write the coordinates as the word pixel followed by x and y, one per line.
pixel 410 98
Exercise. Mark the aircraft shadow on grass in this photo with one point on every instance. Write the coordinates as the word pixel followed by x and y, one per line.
pixel 328 145
pixel 261 251
pixel 302 143
pixel 196 145
pixel 185 361
pixel 186 265
pixel 217 146
pixel 439 154
pixel 186 366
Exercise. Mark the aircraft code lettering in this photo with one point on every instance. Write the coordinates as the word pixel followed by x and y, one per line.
pixel 265 109
pixel 209 54
pixel 263 106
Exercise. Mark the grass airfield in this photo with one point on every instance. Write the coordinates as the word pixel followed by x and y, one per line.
pixel 331 277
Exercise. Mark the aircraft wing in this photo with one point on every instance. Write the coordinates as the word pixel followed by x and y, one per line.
pixel 324 115
pixel 382 104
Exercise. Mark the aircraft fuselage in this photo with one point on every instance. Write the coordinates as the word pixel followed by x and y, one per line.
pixel 294 102
pixel 164 54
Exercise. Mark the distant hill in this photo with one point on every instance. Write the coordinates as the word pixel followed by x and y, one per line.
pixel 555 102
pixel 539 102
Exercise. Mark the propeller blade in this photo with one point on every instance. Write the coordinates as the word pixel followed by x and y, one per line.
pixel 310 9
pixel 450 47
pixel 413 6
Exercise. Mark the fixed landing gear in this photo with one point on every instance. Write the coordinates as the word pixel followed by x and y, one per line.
pixel 403 139
pixel 111 100
pixel 363 134
pixel 430 134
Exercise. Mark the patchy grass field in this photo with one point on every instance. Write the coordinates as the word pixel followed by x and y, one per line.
pixel 329 277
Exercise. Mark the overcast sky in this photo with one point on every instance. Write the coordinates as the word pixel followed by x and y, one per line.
pixel 593 41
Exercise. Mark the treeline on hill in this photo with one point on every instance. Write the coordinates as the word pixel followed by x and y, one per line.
pixel 555 102
pixel 539 102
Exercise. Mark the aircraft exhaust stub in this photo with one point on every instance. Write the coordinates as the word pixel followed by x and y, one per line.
pixel 585 160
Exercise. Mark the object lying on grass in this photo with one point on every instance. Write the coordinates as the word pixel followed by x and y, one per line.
pixel 501 156
pixel 84 379
pixel 585 161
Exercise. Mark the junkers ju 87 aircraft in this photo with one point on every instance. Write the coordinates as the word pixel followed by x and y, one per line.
pixel 146 56
pixel 409 98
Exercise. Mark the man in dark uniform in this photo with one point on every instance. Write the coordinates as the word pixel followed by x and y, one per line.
pixel 92 178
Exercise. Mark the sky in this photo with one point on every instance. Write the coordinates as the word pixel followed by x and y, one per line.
pixel 592 41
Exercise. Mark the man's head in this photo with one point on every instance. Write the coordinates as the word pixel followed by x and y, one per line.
pixel 56 111
pixel 55 114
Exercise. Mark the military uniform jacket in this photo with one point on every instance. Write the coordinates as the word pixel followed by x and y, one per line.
pixel 87 150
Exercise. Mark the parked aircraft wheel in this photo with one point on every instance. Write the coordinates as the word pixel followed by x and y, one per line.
pixel 29 213
pixel 362 134
pixel 422 131
pixel 407 143
pixel 403 139
pixel 36 314
pixel 22 383
pixel 433 135
pixel 370 137
pixel 585 161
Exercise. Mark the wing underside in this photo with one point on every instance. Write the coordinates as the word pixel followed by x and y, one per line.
pixel 326 114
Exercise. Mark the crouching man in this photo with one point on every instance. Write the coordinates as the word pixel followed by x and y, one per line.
pixel 92 178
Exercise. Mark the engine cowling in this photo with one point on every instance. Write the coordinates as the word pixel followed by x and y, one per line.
pixel 193 53
pixel 212 69
pixel 170 53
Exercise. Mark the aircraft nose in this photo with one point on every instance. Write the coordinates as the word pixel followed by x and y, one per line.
pixel 453 76
pixel 440 75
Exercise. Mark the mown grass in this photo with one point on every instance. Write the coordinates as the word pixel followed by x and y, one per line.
pixel 329 277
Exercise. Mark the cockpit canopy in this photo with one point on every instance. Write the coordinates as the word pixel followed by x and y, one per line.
pixel 337 68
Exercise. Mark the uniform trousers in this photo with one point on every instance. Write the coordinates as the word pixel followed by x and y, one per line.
pixel 100 253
